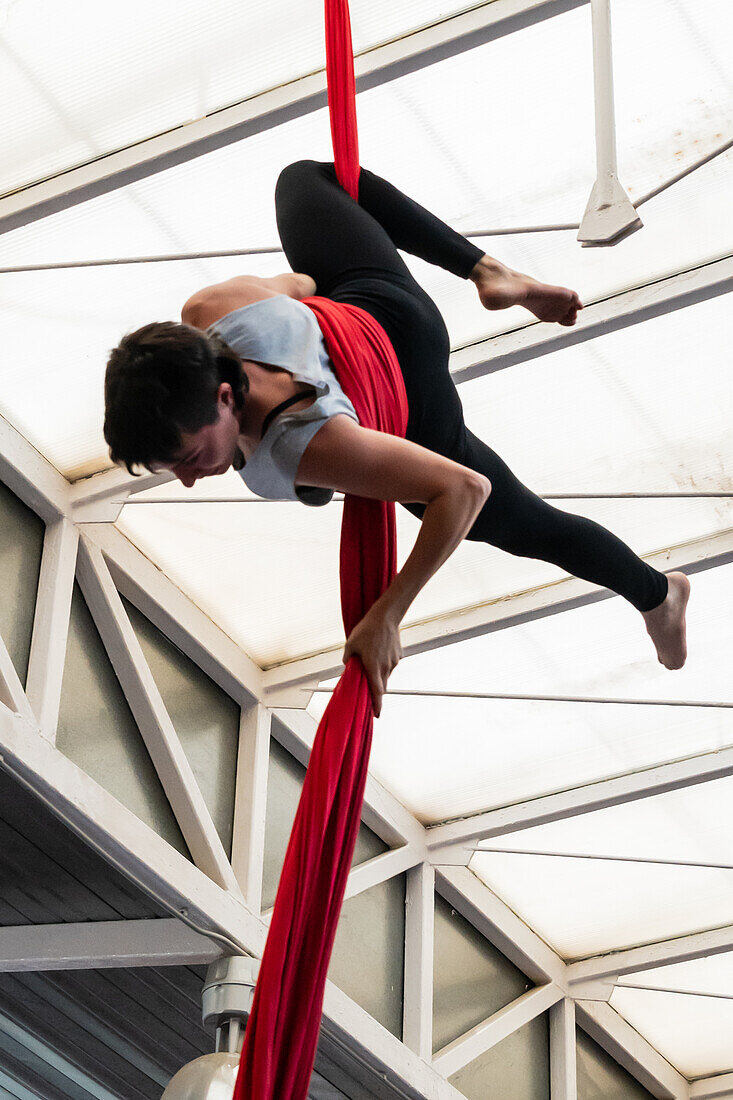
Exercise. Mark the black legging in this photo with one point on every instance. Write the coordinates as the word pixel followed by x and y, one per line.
pixel 350 250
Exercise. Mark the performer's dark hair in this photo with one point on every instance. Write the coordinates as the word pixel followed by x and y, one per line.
pixel 161 380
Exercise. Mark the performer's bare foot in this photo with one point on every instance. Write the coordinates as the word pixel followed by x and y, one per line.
pixel 499 287
pixel 666 623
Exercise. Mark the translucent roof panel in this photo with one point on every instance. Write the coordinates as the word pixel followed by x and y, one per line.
pixel 101 77
pixel 596 651
pixel 686 100
pixel 693 1033
pixel 409 130
pixel 446 758
pixel 584 906
pixel 712 975
pixel 624 416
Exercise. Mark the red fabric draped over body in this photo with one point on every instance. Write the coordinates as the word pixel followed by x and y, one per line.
pixel 282 1031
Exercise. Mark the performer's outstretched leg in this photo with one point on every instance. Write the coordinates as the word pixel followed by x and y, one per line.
pixel 351 252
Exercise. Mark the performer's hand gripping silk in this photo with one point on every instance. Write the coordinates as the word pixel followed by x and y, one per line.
pixel 245 381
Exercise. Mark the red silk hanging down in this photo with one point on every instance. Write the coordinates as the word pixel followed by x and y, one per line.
pixel 283 1027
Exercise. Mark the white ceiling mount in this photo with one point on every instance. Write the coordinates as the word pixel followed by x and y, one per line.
pixel 609 214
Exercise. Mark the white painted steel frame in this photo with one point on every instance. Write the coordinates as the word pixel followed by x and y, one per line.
pixel 25 737
pixel 151 862
pixel 185 890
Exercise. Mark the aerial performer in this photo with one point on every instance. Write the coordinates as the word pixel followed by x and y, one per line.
pixel 245 381
pixel 334 377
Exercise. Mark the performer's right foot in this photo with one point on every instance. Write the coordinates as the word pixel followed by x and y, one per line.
pixel 666 623
pixel 499 287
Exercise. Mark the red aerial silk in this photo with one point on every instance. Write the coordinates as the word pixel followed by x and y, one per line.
pixel 283 1027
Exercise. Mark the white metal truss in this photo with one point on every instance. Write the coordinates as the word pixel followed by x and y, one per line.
pixel 220 911
pixel 187 891
pixel 716 1087
pixel 50 628
pixel 634 960
pixel 221 898
pixel 499 1026
pixel 563 1051
pixel 627 1047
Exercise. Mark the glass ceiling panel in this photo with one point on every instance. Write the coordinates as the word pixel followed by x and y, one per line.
pixel 292 551
pixel 101 77
pixel 586 906
pixel 670 116
pixel 594 907
pixel 623 406
pixel 594 651
pixel 713 975
pixel 447 758
pixel 693 1033
pixel 409 130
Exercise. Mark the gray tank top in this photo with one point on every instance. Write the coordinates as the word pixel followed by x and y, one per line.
pixel 282 332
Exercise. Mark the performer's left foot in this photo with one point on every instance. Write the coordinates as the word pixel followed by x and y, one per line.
pixel 499 288
pixel 666 623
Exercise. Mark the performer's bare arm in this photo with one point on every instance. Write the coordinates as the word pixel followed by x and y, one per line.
pixel 347 457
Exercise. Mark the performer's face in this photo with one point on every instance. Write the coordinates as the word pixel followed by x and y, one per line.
pixel 212 449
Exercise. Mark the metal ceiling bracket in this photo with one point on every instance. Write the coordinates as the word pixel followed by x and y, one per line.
pixel 610 213
pixel 593 990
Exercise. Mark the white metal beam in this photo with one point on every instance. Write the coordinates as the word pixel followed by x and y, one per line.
pixel 152 718
pixel 493 918
pixel 157 597
pixel 101 497
pixel 380 869
pixel 119 835
pixel 31 476
pixel 12 694
pixel 100 944
pixel 386 1067
pixel 289 684
pixel 487 1034
pixel 688 288
pixel 634 960
pixel 261 112
pixel 455 841
pixel 417 1017
pixel 563 1050
pixel 609 213
pixel 619 1039
pixel 712 1088
pixel 250 802
pixel 51 624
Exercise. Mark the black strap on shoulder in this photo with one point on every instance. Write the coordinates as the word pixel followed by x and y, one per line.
pixel 280 408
